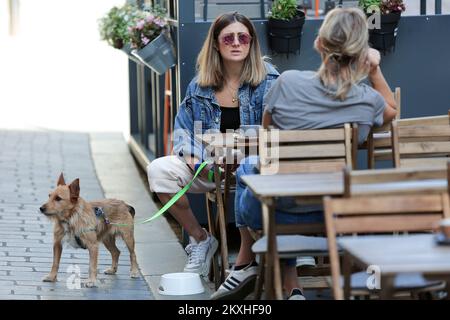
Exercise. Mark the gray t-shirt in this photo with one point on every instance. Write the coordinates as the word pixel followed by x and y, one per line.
pixel 299 100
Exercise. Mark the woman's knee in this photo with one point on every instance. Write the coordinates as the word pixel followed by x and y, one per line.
pixel 158 168
pixel 247 166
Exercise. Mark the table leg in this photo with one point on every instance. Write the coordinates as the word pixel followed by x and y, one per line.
pixel 222 223
pixel 226 191
pixel 346 270
pixel 212 229
pixel 387 287
pixel 272 277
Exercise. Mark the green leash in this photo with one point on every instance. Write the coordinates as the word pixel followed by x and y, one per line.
pixel 170 202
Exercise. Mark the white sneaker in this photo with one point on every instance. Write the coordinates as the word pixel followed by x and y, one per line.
pixel 306 261
pixel 237 285
pixel 200 255
pixel 296 294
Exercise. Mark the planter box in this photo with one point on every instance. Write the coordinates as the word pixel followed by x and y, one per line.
pixel 285 36
pixel 384 39
pixel 158 55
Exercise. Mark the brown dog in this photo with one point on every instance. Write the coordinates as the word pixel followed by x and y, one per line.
pixel 83 224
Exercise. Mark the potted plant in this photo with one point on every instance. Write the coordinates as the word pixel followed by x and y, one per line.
pixel 383 18
pixel 151 42
pixel 285 24
pixel 114 26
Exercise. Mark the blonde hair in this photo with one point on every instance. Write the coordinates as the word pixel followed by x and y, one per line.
pixel 209 61
pixel 343 46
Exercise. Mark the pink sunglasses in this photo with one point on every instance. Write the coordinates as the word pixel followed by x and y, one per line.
pixel 229 38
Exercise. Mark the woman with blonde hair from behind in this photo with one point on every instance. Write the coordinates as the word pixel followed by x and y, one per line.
pixel 328 98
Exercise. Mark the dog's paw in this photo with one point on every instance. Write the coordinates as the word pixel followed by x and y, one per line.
pixel 110 271
pixel 134 274
pixel 49 278
pixel 90 284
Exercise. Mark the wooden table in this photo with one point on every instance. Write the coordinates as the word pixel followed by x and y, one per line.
pixel 223 148
pixel 312 187
pixel 398 254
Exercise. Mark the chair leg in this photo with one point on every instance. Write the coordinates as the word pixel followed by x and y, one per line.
pixel 260 277
pixel 223 236
pixel 214 276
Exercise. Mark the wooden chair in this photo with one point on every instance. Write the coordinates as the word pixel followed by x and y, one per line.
pixel 379 139
pixel 299 151
pixel 417 208
pixel 217 225
pixel 421 142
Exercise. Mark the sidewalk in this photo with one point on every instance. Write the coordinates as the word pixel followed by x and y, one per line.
pixel 30 162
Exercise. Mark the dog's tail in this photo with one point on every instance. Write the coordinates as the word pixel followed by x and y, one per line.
pixel 131 210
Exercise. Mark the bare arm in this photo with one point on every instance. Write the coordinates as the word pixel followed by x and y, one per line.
pixel 266 120
pixel 380 84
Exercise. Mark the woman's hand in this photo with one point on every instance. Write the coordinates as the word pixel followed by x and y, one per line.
pixel 373 59
pixel 210 167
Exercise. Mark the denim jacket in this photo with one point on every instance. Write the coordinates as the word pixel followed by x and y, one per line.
pixel 200 112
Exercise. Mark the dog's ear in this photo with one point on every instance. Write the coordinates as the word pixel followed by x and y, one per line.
pixel 74 188
pixel 61 181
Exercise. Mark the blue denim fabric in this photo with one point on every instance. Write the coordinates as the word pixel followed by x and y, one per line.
pixel 200 112
pixel 248 211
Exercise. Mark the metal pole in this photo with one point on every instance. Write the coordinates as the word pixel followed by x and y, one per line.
pixel 263 12
pixel 205 10
pixel 438 6
pixel 423 7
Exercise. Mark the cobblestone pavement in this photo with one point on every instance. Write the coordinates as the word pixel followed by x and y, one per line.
pixel 30 163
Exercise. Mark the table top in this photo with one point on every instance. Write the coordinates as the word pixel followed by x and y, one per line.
pixel 227 140
pixel 304 184
pixel 416 253
pixel 330 183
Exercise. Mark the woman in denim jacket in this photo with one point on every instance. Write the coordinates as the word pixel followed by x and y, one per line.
pixel 228 91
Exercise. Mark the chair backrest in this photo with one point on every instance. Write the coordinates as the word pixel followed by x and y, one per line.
pixel 420 142
pixel 379 139
pixel 300 151
pixel 403 180
pixel 375 213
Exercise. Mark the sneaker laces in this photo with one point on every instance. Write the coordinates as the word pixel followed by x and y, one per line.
pixel 196 253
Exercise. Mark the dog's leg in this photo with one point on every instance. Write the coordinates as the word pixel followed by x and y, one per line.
pixel 128 238
pixel 58 235
pixel 110 244
pixel 93 256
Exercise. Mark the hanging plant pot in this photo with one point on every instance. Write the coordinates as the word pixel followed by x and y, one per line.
pixel 384 39
pixel 158 55
pixel 285 35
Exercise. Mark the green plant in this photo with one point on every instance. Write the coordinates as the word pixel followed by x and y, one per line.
pixel 114 25
pixel 148 27
pixel 283 9
pixel 385 6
